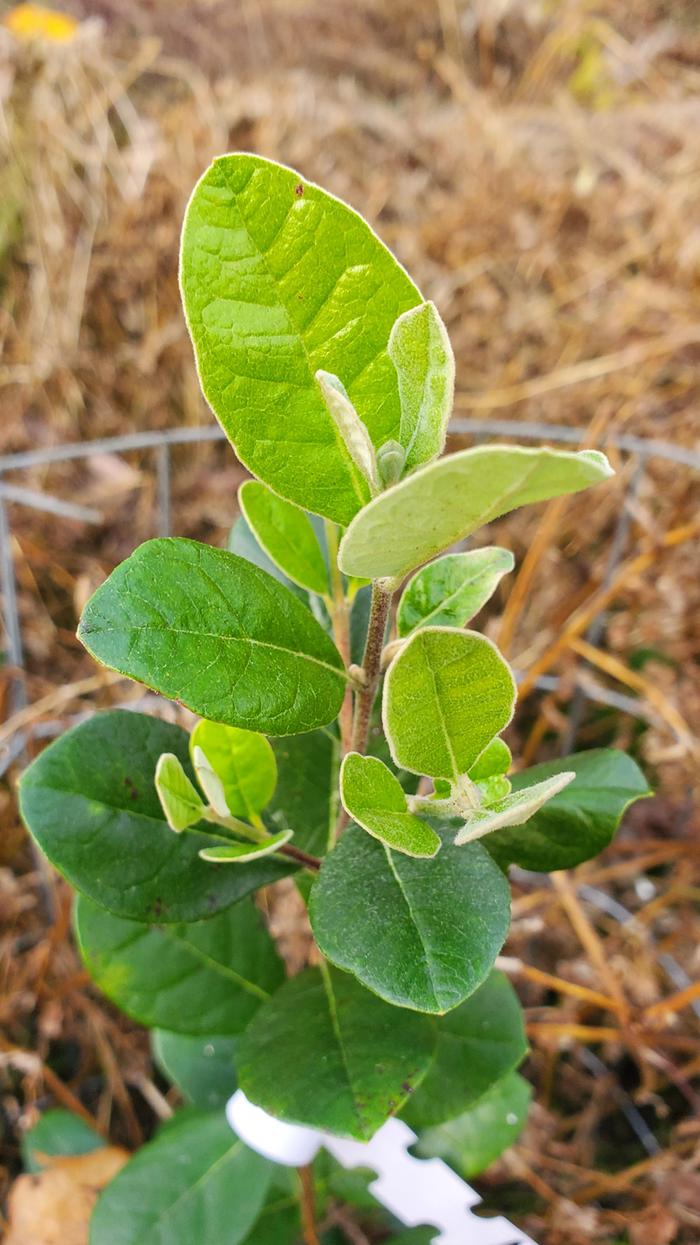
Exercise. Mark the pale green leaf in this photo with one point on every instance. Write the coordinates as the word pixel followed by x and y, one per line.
pixel 445 502
pixel 474 1140
pixel 581 820
pixel 446 694
pixel 209 781
pixel 279 280
pixel 244 762
pixel 450 591
pixel 477 1044
pixel 241 853
pixel 422 934
pixel 179 799
pixel 421 352
pixel 495 760
pixel 90 801
pixel 326 1053
pixel 213 631
pixel 351 428
pixel 201 1067
pixel 286 534
pixel 196 1183
pixel 375 799
pixel 203 977
pixel 512 810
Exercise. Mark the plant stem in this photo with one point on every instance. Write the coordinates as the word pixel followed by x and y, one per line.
pixel 302 858
pixel 258 834
pixel 371 665
pixel 341 629
pixel 308 1210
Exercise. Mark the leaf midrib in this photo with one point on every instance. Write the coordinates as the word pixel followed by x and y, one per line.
pixel 414 922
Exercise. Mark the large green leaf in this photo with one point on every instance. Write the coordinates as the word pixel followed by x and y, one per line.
pixel 201 1067
pixel 243 760
pixel 195 1183
pixel 375 799
pixel 306 798
pixel 446 694
pixel 477 1044
pixel 213 631
pixel 450 591
pixel 280 280
pixel 90 802
pixel 421 352
pixel 326 1053
pixel 286 534
pixel 581 820
pixel 422 934
pixel 203 977
pixel 448 500
pixel 474 1140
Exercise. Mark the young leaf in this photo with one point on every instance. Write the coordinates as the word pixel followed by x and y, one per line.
pixel 195 1182
pixel 203 977
pixel 580 821
pixel 445 502
pixel 201 1067
pixel 205 627
pixel 446 694
pixel 514 809
pixel 179 799
pixel 210 782
pixel 57 1133
pixel 325 1053
pixel 474 1140
pixel 375 799
pixel 279 280
pixel 244 762
pixel 421 352
pixel 495 760
pixel 286 534
pixel 90 802
pixel 449 592
pixel 477 1044
pixel 353 431
pixel 422 934
pixel 241 853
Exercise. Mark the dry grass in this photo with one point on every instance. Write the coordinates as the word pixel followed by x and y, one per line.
pixel 537 167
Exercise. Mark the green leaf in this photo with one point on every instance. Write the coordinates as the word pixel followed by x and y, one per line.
pixel 446 694
pixel 90 802
pixel 326 1053
pixel 306 799
pixel 180 801
pixel 477 1044
pixel 286 534
pixel 495 760
pixel 421 352
pixel 448 500
pixel 195 1182
pixel 57 1133
pixel 579 822
pixel 375 799
pixel 243 760
pixel 279 280
pixel 514 809
pixel 211 630
pixel 473 1141
pixel 279 1222
pixel 200 978
pixel 201 1067
pixel 422 934
pixel 449 592
pixel 241 853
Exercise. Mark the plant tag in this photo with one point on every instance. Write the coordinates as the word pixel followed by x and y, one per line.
pixel 416 1191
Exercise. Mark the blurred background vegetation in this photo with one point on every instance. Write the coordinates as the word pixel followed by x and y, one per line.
pixel 536 166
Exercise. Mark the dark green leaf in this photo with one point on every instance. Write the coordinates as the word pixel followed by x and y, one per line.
pixel 57 1133
pixel 201 1067
pixel 280 280
pixel 90 802
pixel 203 977
pixel 211 630
pixel 195 1184
pixel 421 933
pixel 477 1044
pixel 326 1053
pixel 471 1142
pixel 306 799
pixel 579 822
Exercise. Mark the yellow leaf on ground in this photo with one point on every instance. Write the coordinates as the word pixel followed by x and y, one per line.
pixel 31 21
pixel 53 1206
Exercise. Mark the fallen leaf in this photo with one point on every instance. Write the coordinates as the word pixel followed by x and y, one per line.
pixel 53 1207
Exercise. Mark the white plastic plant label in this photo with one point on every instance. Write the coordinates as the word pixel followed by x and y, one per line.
pixel 416 1191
